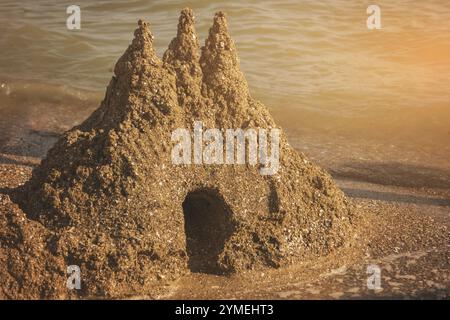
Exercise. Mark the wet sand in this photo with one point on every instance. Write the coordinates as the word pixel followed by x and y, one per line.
pixel 408 239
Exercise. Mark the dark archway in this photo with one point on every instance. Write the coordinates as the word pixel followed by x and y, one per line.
pixel 208 225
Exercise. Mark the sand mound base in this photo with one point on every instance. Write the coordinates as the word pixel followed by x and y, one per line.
pixel 108 198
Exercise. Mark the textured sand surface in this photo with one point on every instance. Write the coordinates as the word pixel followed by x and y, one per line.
pixel 408 241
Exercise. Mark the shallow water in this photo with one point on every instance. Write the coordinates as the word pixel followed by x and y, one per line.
pixel 343 93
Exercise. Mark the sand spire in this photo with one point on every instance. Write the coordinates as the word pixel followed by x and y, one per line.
pixel 182 57
pixel 223 80
pixel 140 53
pixel 184 47
pixel 219 44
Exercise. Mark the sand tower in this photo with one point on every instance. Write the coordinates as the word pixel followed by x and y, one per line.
pixel 109 198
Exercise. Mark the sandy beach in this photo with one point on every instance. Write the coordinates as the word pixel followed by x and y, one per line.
pixel 350 199
pixel 408 237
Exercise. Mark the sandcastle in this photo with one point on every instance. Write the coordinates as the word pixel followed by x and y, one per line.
pixel 108 198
